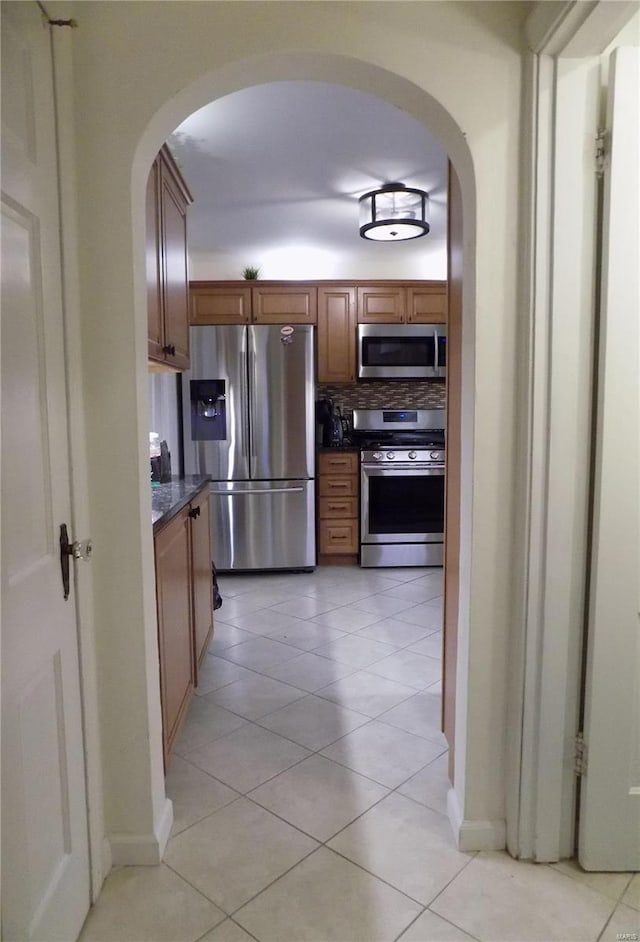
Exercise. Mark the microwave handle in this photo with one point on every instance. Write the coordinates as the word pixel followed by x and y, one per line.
pixel 435 348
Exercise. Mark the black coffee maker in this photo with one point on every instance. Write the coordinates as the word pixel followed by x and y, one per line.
pixel 330 424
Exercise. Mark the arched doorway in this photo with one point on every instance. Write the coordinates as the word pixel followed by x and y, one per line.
pixel 425 109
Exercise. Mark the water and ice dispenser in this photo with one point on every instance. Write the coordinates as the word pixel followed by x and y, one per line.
pixel 208 410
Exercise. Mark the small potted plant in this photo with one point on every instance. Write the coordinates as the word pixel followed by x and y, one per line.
pixel 250 273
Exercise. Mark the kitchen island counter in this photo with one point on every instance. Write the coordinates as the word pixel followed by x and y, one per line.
pixel 168 499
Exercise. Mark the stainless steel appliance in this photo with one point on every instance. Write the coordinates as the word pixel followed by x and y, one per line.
pixel 248 422
pixel 402 467
pixel 402 351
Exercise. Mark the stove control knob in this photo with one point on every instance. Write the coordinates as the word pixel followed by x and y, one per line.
pixel 413 455
pixel 391 455
pixel 435 455
pixel 378 456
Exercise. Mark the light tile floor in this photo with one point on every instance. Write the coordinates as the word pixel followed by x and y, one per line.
pixel 309 787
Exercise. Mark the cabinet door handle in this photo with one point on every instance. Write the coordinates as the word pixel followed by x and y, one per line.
pixel 194 512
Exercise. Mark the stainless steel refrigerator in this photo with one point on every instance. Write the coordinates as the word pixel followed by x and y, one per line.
pixel 248 422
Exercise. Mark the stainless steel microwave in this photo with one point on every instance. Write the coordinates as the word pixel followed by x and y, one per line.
pixel 402 351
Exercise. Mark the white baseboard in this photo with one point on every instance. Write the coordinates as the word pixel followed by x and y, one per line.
pixel 164 825
pixel 144 850
pixel 474 835
pixel 107 864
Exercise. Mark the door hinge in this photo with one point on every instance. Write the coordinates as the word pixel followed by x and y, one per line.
pixel 601 152
pixel 580 755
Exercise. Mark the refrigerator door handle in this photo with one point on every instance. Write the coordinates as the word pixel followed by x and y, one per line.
pixel 253 400
pixel 243 400
pixel 257 490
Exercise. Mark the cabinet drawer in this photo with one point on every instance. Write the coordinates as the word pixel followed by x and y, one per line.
pixel 338 486
pixel 338 508
pixel 345 462
pixel 338 538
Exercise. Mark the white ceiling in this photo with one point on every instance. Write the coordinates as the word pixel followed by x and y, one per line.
pixel 278 168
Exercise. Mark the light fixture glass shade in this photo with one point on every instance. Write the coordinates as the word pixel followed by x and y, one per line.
pixel 394 213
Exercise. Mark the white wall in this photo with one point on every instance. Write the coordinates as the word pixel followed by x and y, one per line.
pixel 425 261
pixel 454 66
pixel 163 413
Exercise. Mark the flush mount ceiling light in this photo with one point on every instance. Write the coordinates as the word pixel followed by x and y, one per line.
pixel 393 213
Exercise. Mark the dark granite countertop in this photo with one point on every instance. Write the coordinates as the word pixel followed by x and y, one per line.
pixel 168 499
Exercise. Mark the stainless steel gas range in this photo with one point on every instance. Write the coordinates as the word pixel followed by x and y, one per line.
pixel 402 467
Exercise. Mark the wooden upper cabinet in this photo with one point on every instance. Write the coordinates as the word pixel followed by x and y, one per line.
pixel 412 302
pixel 428 303
pixel 336 335
pixel 284 304
pixel 167 226
pixel 220 303
pixel 337 307
pixel 241 302
pixel 173 210
pixel 153 266
pixel 381 304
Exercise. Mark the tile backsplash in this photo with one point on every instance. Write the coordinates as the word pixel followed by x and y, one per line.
pixel 384 395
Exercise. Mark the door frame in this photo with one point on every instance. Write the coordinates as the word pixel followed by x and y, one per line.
pixel 564 96
pixel 82 584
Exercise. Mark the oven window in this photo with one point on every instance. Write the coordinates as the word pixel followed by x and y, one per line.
pixel 406 504
pixel 395 351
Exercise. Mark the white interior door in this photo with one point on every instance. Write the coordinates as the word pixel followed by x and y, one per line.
pixel 45 872
pixel 609 830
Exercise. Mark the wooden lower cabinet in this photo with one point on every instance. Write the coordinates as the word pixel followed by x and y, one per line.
pixel 201 578
pixel 184 608
pixel 175 636
pixel 338 537
pixel 338 501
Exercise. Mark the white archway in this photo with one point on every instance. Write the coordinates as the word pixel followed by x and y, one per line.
pixel 423 108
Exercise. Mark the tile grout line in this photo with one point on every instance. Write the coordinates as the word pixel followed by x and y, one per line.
pixel 318 751
pixel 248 795
pixel 368 719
